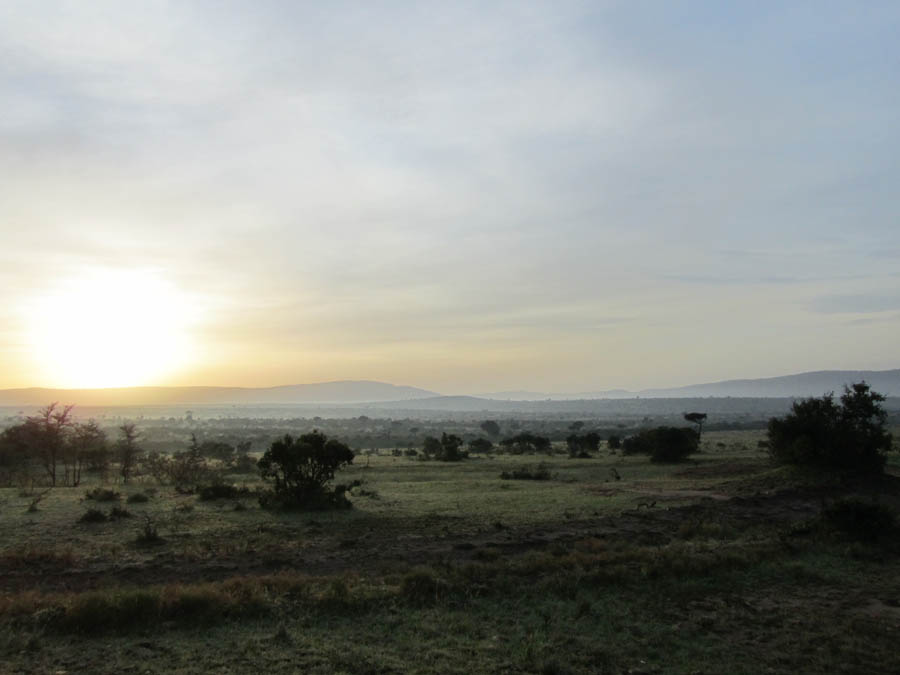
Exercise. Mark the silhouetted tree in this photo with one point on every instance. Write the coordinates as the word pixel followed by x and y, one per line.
pixel 87 448
pixel 302 468
pixel 490 427
pixel 697 418
pixel 663 444
pixel 480 445
pixel 818 432
pixel 447 449
pixel 128 452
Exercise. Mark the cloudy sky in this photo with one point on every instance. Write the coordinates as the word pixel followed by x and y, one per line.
pixel 466 197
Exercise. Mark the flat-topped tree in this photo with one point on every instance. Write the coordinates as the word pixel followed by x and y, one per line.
pixel 697 418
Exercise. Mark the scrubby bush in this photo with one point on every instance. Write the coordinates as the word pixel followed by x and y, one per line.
pixel 102 495
pixel 582 446
pixel 819 433
pixel 480 445
pixel 541 472
pixel 93 516
pixel 138 498
pixel 662 444
pixel 860 520
pixel 302 469
pixel 614 442
pixel 526 443
pixel 221 491
pixel 117 512
pixel 149 532
pixel 447 449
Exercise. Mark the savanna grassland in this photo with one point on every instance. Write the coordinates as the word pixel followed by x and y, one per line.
pixel 722 563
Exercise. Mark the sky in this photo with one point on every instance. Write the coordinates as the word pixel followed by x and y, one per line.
pixel 465 197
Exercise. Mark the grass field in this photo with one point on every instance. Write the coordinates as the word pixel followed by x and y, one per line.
pixel 719 564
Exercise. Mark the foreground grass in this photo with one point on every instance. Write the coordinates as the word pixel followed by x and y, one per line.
pixel 629 587
pixel 686 608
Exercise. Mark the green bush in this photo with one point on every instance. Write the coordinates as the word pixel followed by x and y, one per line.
pixel 93 516
pixel 819 433
pixel 138 498
pixel 118 512
pixel 102 495
pixel 221 491
pixel 859 520
pixel 541 472
pixel 662 444
pixel 302 469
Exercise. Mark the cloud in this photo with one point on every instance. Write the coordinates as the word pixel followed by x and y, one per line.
pixel 515 175
pixel 858 303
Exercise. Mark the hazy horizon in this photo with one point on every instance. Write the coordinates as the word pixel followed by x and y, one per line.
pixel 563 197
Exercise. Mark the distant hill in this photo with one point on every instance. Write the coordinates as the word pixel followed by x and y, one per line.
pixel 390 396
pixel 347 391
pixel 816 383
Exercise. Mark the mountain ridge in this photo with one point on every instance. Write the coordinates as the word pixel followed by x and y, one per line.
pixel 812 383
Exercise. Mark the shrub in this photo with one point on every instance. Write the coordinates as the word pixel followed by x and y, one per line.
pixel 480 445
pixel 149 532
pixel 93 516
pixel 117 512
pixel 614 442
pixel 102 495
pixel 541 472
pixel 302 468
pixel 819 433
pixel 221 491
pixel 138 498
pixel 583 446
pixel 662 444
pixel 447 449
pixel 526 442
pixel 859 520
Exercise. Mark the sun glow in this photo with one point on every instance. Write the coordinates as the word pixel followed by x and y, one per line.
pixel 109 329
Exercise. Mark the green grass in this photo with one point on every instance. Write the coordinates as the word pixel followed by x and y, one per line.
pixel 450 569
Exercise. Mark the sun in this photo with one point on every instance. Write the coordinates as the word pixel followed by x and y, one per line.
pixel 109 328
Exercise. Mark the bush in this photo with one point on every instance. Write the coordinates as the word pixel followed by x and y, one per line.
pixel 102 495
pixel 93 516
pixel 302 468
pixel 819 433
pixel 138 498
pixel 582 446
pixel 221 491
pixel 117 512
pixel 480 445
pixel 447 449
pixel 541 472
pixel 149 532
pixel 859 520
pixel 662 444
pixel 526 443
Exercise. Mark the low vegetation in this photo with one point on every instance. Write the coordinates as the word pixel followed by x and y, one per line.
pixel 302 469
pixel 662 444
pixel 584 562
pixel 820 433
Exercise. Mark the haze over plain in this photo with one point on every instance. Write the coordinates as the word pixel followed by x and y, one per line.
pixel 545 196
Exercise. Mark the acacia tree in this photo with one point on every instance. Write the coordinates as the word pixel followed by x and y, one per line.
pixel 87 446
pixel 697 418
pixel 128 451
pixel 302 468
pixel 48 431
